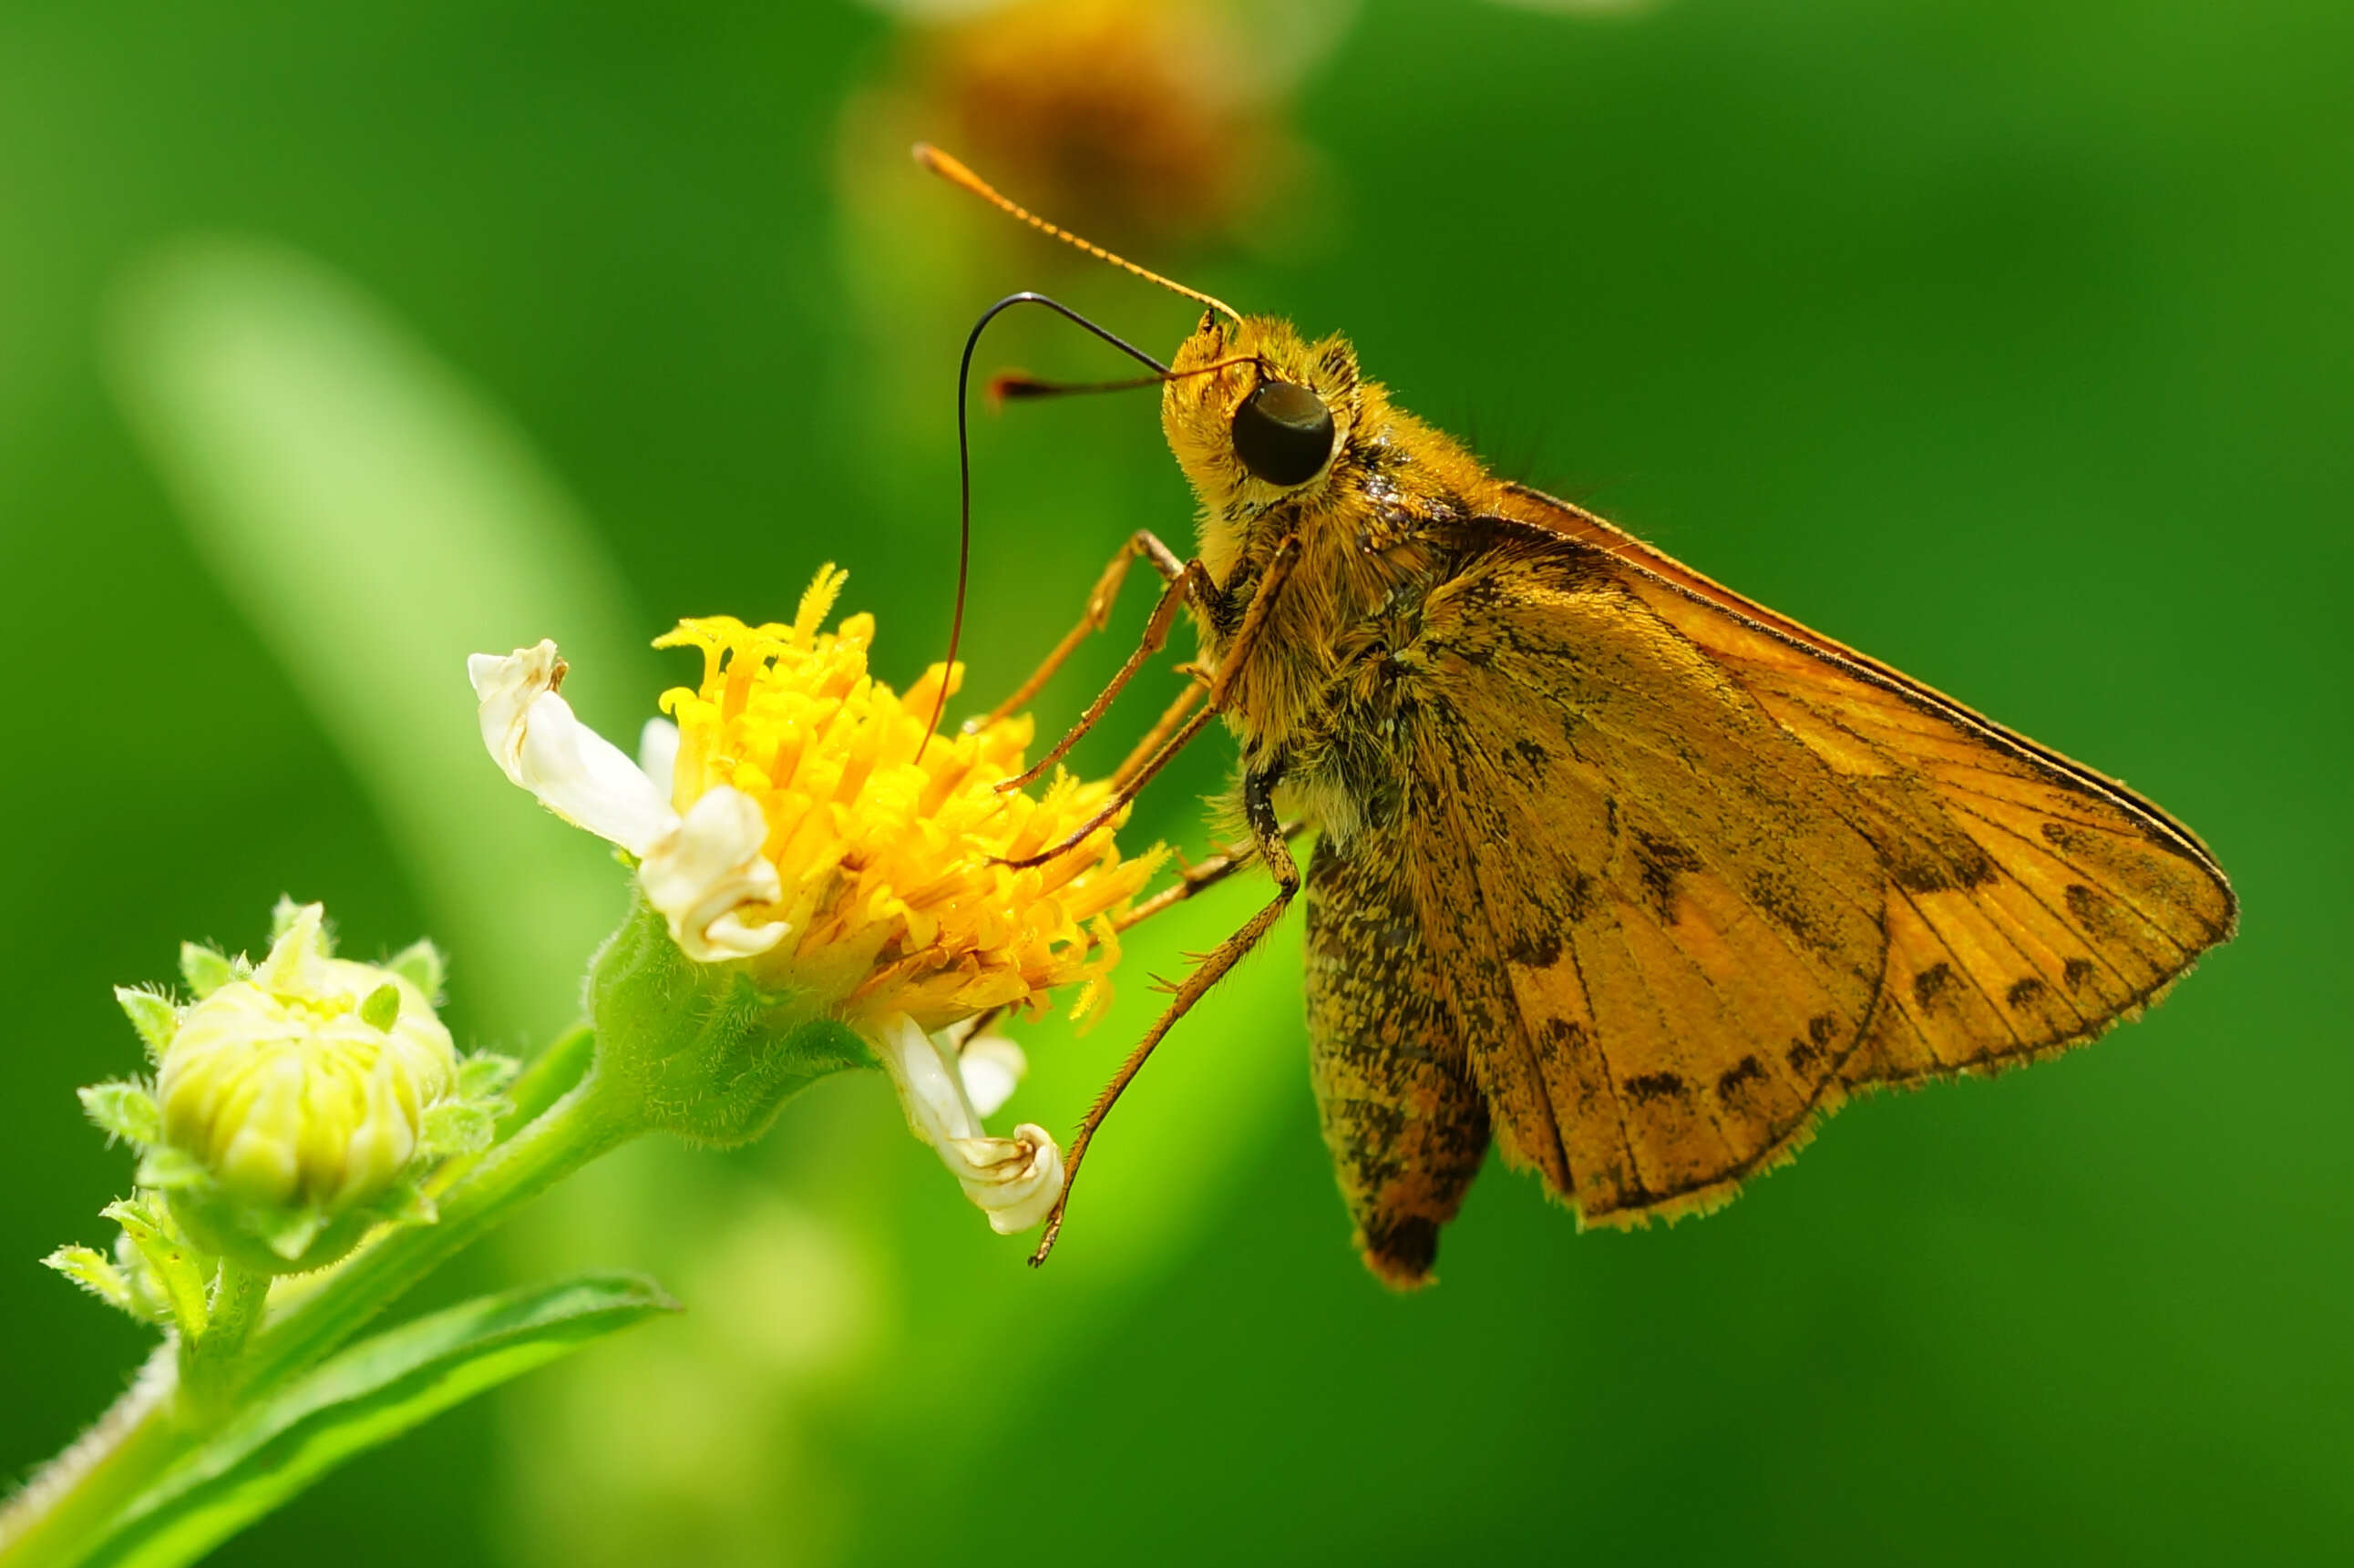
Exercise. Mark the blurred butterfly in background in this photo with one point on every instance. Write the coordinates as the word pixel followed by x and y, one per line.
pixel 1612 866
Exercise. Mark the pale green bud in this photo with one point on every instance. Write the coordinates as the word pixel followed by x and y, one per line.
pixel 296 1103
pixel 307 1084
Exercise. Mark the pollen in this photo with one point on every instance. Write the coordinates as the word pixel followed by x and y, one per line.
pixel 890 842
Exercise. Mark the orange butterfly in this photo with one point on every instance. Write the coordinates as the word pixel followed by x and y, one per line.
pixel 1612 865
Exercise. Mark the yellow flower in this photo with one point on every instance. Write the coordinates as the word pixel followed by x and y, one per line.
pixel 801 822
pixel 888 839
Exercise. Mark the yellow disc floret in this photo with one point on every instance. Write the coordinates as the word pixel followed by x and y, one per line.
pixel 890 841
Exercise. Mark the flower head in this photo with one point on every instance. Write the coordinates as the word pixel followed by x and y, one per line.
pixel 887 840
pixel 798 825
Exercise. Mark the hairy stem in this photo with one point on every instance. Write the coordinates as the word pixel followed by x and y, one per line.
pixel 70 1508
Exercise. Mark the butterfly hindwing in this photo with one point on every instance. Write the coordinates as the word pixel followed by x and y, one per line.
pixel 1665 939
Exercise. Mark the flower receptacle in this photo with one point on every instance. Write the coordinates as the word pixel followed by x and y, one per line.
pixel 702 1050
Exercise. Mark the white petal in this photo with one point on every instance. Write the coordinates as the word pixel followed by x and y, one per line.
pixel 929 1090
pixel 706 870
pixel 532 735
pixel 991 1066
pixel 504 688
pixel 1014 1180
pixel 658 755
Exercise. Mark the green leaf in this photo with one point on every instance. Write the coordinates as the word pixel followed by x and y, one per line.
pixel 365 1396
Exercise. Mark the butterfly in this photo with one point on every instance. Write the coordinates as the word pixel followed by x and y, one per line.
pixel 1614 869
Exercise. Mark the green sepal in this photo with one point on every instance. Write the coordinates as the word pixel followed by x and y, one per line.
pixel 207 969
pixel 125 1110
pixel 174 1262
pixel 168 1168
pixel 380 1009
pixel 263 1238
pixel 421 965
pixel 287 1233
pixel 486 1074
pixel 152 1014
pixel 283 916
pixel 701 1048
pixel 404 1204
pixel 458 1127
pixel 96 1272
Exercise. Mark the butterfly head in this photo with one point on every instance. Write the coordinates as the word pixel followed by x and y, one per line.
pixel 1256 415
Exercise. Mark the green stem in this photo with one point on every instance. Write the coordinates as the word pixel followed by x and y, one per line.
pixel 68 1511
pixel 586 1122
pixel 64 1511
pixel 550 1075
pixel 208 1359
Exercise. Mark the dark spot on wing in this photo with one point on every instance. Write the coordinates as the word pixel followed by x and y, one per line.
pixel 1777 898
pixel 1823 1028
pixel 1559 1036
pixel 1801 1056
pixel 2025 992
pixel 1539 949
pixel 2075 972
pixel 1920 867
pixel 2091 910
pixel 1659 861
pixel 1646 1086
pixel 1748 1070
pixel 1932 983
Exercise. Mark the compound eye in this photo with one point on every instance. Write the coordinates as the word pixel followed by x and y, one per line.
pixel 1283 434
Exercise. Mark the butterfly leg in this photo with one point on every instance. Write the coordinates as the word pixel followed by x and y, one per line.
pixel 1202 877
pixel 1266 845
pixel 1093 619
pixel 1144 750
pixel 1189 582
pixel 1256 620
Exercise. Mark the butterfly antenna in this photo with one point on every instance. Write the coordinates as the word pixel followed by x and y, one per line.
pixel 964 464
pixel 956 173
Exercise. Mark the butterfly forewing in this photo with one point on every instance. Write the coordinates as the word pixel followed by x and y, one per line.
pixel 1693 871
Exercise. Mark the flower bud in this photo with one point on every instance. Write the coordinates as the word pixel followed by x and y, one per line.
pixel 308 1084
pixel 296 1102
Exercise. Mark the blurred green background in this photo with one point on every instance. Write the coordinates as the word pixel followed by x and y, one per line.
pixel 2009 340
